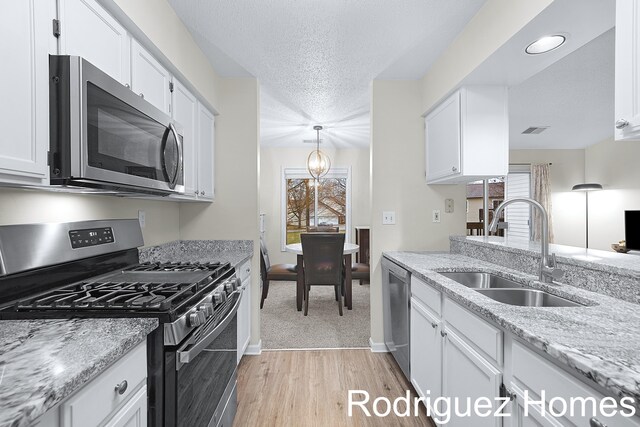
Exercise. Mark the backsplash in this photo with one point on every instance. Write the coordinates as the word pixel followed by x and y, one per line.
pixel 613 278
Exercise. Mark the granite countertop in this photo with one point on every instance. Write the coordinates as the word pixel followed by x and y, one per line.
pixel 44 361
pixel 608 261
pixel 600 341
pixel 233 251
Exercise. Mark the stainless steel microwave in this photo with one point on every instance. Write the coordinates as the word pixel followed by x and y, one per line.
pixel 104 136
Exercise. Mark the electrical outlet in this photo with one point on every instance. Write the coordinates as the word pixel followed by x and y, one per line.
pixel 436 215
pixel 448 205
pixel 142 218
pixel 388 218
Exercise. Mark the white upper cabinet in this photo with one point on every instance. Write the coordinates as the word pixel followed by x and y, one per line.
pixel 205 153
pixel 87 30
pixel 467 136
pixel 149 78
pixel 185 112
pixel 627 81
pixel 26 33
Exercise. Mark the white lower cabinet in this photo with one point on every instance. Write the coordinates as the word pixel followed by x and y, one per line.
pixel 244 310
pixel 425 355
pixel 116 398
pixel 460 356
pixel 467 377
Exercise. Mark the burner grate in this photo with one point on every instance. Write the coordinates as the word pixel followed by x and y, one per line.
pixel 176 266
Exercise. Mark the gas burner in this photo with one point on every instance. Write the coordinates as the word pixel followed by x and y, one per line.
pixel 175 266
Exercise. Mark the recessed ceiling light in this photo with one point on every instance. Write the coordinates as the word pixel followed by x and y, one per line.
pixel 545 44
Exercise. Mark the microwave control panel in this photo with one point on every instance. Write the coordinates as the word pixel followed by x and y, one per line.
pixel 90 237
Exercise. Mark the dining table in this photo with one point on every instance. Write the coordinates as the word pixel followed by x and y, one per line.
pixel 349 249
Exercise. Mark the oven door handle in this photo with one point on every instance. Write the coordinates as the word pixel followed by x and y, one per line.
pixel 189 355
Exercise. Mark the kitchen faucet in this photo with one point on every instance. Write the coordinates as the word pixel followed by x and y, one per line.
pixel 548 270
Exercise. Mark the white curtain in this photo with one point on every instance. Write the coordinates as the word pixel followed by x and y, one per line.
pixel 541 191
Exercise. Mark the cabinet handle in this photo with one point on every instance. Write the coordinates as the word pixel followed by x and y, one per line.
pixel 122 387
pixel 202 193
pixel 127 85
pixel 443 334
pixel 621 124
pixel 195 192
pixel 454 169
pixel 434 325
pixel 594 422
pixel 141 95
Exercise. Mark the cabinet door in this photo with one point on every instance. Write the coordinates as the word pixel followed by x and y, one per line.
pixel 443 142
pixel 244 319
pixel 87 30
pixel 425 351
pixel 532 417
pixel 133 414
pixel 627 70
pixel 149 78
pixel 205 153
pixel 185 112
pixel 468 376
pixel 25 32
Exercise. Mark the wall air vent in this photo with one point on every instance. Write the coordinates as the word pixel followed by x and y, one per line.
pixel 534 130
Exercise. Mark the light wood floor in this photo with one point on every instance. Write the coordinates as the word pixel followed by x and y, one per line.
pixel 310 388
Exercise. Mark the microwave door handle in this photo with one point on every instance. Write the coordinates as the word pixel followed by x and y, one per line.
pixel 189 355
pixel 176 177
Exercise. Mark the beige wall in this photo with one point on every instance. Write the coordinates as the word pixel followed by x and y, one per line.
pixel 398 184
pixel 567 169
pixel 273 160
pixel 234 212
pixel 494 24
pixel 615 166
pixel 21 206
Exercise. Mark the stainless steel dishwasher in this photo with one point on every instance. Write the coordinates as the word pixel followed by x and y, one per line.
pixel 396 295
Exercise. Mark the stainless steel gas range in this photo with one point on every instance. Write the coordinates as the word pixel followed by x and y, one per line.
pixel 91 269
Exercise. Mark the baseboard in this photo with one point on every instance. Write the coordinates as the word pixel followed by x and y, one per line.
pixel 377 347
pixel 254 349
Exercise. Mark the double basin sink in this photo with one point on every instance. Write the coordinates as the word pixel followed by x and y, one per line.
pixel 507 291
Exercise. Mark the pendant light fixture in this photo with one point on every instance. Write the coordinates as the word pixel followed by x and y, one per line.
pixel 318 163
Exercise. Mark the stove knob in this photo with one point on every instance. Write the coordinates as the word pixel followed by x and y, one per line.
pixel 207 309
pixel 230 286
pixel 202 317
pixel 194 319
pixel 219 297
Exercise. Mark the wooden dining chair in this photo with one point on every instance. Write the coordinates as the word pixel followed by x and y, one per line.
pixel 360 271
pixel 323 229
pixel 322 257
pixel 268 272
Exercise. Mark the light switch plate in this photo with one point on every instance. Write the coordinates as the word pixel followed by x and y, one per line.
pixel 388 217
pixel 448 205
pixel 436 215
pixel 142 218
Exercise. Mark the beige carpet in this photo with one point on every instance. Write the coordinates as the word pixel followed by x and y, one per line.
pixel 284 327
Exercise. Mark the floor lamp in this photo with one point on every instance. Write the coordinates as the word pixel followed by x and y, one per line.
pixel 587 188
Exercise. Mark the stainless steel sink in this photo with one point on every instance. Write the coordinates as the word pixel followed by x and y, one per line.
pixel 527 298
pixel 479 280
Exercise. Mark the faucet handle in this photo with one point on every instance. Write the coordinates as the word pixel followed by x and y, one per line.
pixel 554 271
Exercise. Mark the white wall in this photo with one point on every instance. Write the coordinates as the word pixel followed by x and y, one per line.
pixel 615 166
pixel 273 160
pixel 398 184
pixel 567 169
pixel 494 24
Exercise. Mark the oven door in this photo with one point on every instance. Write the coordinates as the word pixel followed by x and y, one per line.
pixel 205 374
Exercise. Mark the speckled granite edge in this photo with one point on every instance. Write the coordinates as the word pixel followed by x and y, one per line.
pixel 599 341
pixel 233 251
pixel 601 277
pixel 42 362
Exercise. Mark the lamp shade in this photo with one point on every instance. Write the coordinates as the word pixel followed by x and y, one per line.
pixel 587 187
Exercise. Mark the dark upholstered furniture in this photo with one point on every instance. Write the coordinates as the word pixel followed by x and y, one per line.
pixel 360 271
pixel 322 255
pixel 287 272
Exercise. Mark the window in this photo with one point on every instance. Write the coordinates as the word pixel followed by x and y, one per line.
pixel 518 215
pixel 301 197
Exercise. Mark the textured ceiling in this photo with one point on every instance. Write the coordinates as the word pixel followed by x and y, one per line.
pixel 315 60
pixel 574 97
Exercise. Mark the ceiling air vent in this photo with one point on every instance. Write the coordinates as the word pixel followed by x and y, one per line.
pixel 311 141
pixel 534 130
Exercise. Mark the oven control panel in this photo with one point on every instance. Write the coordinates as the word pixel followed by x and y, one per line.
pixel 90 237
